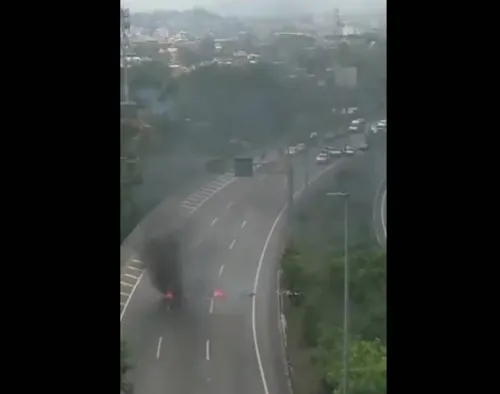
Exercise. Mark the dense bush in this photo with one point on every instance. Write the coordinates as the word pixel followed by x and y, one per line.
pixel 313 272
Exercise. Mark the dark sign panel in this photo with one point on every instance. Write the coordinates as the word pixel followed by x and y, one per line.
pixel 243 167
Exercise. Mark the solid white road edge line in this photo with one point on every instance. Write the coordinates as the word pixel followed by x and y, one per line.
pixel 375 210
pixel 382 213
pixel 257 275
pixel 255 285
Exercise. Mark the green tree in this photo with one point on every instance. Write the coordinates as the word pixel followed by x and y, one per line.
pixel 367 363
pixel 245 103
pixel 150 75
pixel 125 367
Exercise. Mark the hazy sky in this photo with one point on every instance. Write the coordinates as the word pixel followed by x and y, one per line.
pixel 259 6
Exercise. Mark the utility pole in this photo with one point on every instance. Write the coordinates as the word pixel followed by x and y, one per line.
pixel 345 378
pixel 338 26
pixel 306 175
pixel 125 45
pixel 290 190
pixel 345 355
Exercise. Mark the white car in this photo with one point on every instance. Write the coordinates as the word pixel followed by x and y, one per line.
pixel 291 150
pixel 353 129
pixel 313 135
pixel 331 151
pixel 348 151
pixel 357 122
pixel 322 158
pixel 381 126
pixel 300 147
pixel 363 147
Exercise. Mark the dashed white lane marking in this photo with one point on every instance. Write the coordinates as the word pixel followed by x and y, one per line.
pixel 218 184
pixel 229 204
pixel 207 350
pixel 211 308
pixel 131 276
pixel 243 224
pixel 214 221
pixel 232 244
pixel 124 294
pixel 221 269
pixel 158 349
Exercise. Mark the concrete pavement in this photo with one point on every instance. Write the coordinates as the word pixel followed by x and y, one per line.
pixel 208 346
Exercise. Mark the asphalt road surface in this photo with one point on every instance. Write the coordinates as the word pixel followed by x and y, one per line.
pixel 380 213
pixel 208 346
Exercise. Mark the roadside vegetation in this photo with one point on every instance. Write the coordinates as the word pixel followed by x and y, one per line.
pixel 219 111
pixel 313 270
pixel 125 366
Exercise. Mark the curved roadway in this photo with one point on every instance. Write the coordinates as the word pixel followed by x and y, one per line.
pixel 384 213
pixel 208 346
pixel 380 213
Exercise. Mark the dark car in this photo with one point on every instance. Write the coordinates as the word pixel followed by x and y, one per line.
pixel 332 151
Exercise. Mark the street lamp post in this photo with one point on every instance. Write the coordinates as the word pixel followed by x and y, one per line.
pixel 345 378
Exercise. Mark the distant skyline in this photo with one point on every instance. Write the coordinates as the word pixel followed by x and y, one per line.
pixel 258 7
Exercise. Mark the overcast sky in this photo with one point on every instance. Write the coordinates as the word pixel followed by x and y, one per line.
pixel 258 6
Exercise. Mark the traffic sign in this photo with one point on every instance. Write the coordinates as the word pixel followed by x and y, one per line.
pixel 243 167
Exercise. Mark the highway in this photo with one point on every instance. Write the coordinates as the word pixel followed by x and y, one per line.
pixel 384 212
pixel 208 346
pixel 380 213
